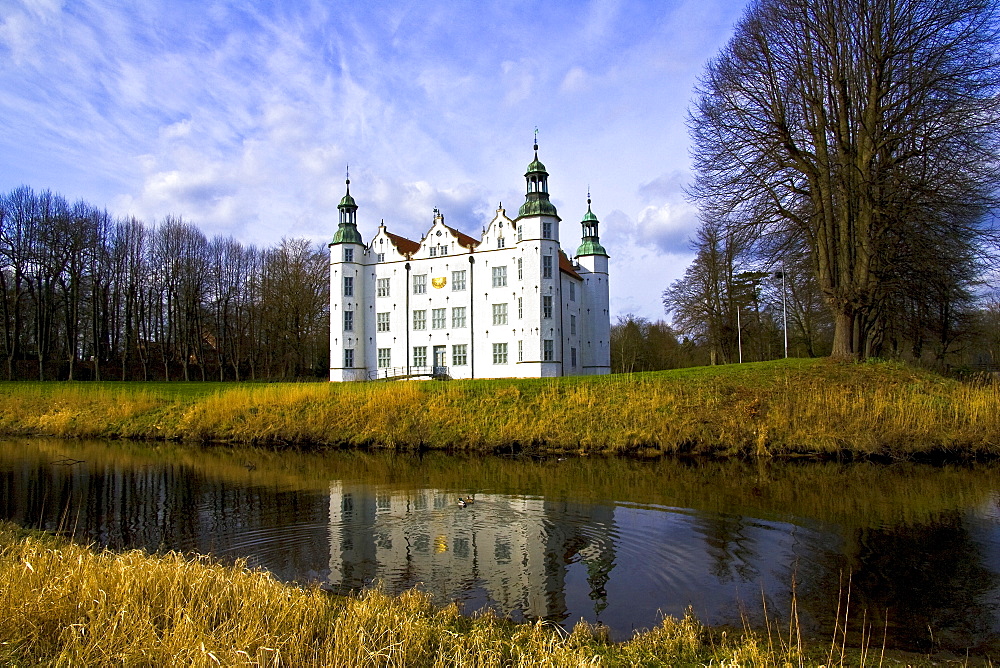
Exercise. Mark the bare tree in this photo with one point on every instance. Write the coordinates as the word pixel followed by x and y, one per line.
pixel 847 127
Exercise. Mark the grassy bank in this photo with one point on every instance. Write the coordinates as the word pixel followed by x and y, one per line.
pixel 789 407
pixel 68 605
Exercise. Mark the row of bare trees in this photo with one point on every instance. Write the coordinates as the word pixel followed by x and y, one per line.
pixel 856 141
pixel 84 295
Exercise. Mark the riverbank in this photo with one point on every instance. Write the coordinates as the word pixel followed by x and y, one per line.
pixel 69 605
pixel 784 408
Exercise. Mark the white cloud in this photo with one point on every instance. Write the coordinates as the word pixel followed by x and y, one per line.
pixel 241 118
pixel 575 81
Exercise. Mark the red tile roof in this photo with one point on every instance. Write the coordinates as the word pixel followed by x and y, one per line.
pixel 566 266
pixel 402 244
pixel 463 239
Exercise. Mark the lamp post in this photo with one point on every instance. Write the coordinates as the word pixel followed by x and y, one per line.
pixel 784 310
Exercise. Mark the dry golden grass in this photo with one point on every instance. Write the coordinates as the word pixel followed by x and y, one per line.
pixel 63 604
pixel 777 408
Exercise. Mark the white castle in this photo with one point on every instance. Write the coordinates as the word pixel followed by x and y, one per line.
pixel 509 305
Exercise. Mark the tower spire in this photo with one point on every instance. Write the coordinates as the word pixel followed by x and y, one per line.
pixel 536 199
pixel 347 230
pixel 591 242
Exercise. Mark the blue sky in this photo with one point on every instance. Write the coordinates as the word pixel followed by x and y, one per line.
pixel 241 117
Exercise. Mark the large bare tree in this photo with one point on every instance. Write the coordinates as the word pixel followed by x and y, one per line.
pixel 864 130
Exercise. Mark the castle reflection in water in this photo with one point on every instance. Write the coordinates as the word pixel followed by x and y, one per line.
pixel 510 553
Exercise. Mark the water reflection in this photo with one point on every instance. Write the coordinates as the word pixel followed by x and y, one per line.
pixel 507 552
pixel 610 541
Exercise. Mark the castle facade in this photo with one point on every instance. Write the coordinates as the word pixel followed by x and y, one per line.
pixel 510 304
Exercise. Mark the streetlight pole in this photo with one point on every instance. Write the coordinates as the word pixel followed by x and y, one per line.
pixel 739 334
pixel 784 311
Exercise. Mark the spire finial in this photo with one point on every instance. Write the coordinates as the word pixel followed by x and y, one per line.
pixel 348 178
pixel 588 195
pixel 536 138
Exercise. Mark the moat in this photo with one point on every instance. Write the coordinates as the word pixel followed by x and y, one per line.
pixel 619 542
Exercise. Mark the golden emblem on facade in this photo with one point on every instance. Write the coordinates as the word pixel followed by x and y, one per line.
pixel 439 282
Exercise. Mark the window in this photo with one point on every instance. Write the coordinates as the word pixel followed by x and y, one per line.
pixel 458 280
pixel 519 229
pixel 499 314
pixel 380 257
pixel 520 351
pixel 348 358
pixel 547 306
pixel 572 325
pixel 500 242
pixel 420 356
pixel 572 291
pixel 572 357
pixel 546 266
pixel 459 354
pixel 382 287
pixel 499 353
pixel 546 230
pixel 438 318
pixel 458 316
pixel 348 286
pixel 382 322
pixel 348 321
pixel 420 319
pixel 520 269
pixel 441 250
pixel 520 307
pixel 420 284
pixel 348 255
pixel 500 277
pixel 434 251
pixel 384 358
pixel 547 350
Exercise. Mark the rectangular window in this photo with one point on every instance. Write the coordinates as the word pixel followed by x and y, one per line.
pixel 443 250
pixel 572 357
pixel 520 307
pixel 348 358
pixel 547 350
pixel 500 277
pixel 572 325
pixel 384 358
pixel 420 356
pixel 434 251
pixel 348 286
pixel 520 351
pixel 420 319
pixel 500 242
pixel 348 321
pixel 519 235
pixel 547 306
pixel 458 316
pixel 382 322
pixel 380 257
pixel 546 230
pixel 438 318
pixel 572 291
pixel 382 287
pixel 546 266
pixel 348 255
pixel 458 280
pixel 459 354
pixel 420 284
pixel 520 269
pixel 499 353
pixel 499 314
